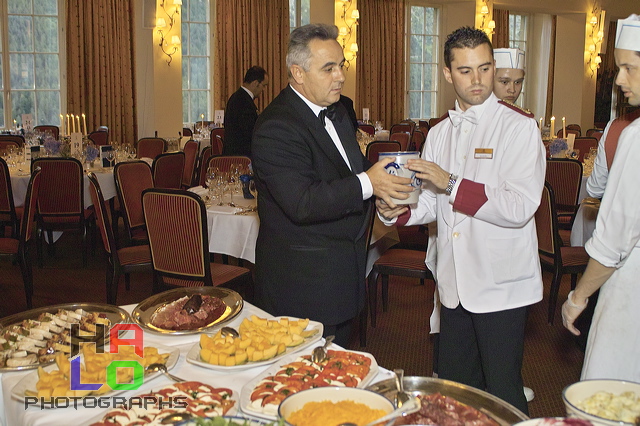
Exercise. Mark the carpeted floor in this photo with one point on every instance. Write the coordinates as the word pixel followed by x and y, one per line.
pixel 400 340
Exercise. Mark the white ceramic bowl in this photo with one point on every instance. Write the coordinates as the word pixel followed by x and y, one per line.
pixel 334 394
pixel 580 391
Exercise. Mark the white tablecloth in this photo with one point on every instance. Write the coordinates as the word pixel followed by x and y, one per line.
pixel 585 222
pixel 12 411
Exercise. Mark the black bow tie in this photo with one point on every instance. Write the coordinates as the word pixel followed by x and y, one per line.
pixel 329 112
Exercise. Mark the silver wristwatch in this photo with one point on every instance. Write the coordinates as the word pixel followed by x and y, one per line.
pixel 452 182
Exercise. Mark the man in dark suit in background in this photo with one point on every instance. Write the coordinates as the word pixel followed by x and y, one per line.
pixel 314 191
pixel 241 113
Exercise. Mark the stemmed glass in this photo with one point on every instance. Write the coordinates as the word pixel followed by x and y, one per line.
pixel 111 156
pixel 232 187
pixel 252 189
pixel 210 180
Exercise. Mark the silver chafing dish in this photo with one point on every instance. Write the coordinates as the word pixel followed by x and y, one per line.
pixel 501 411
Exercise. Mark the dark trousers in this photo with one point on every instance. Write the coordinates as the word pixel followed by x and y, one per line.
pixel 484 351
pixel 342 332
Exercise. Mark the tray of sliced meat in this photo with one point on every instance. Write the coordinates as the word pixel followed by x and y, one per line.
pixel 188 310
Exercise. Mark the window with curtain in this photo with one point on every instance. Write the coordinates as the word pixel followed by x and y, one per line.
pixel 422 66
pixel 299 14
pixel 518 39
pixel 30 70
pixel 196 54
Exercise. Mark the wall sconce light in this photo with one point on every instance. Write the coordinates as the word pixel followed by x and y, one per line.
pixel 487 25
pixel 594 39
pixel 350 20
pixel 168 49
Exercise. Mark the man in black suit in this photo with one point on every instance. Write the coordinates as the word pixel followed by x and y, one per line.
pixel 241 113
pixel 314 191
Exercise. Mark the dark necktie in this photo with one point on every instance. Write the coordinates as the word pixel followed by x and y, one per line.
pixel 329 112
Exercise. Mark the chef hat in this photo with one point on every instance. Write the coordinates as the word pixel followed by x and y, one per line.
pixel 509 58
pixel 628 33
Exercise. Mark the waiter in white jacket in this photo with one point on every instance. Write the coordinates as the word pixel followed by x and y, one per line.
pixel 483 170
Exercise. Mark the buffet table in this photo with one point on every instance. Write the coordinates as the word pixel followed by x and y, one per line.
pixel 12 411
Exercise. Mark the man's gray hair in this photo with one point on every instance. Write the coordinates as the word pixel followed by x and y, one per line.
pixel 298 52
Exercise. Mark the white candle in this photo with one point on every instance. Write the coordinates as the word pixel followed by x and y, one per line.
pixel 68 127
pixel 564 128
pixel 15 124
pixel 84 122
pixel 78 120
pixel 62 124
pixel 541 123
pixel 553 127
pixel 73 124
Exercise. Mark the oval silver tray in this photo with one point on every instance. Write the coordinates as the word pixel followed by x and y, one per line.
pixel 115 314
pixel 499 410
pixel 145 309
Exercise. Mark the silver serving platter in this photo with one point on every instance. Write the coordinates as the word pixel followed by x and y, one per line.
pixel 115 314
pixel 144 311
pixel 499 410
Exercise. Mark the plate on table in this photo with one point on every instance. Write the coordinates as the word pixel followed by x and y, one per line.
pixel 28 382
pixel 193 356
pixel 29 320
pixel 270 412
pixel 143 314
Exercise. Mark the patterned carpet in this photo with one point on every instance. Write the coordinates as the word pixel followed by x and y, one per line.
pixel 400 340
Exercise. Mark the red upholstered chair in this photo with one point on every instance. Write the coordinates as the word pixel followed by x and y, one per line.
pixel 150 147
pixel 16 139
pixel 99 137
pixel 584 145
pixel 217 145
pixel 594 133
pixel 186 131
pixel 54 130
pixel 133 177
pixel 367 128
pixel 575 127
pixel 224 162
pixel 8 215
pixel 18 247
pixel 61 201
pixel 555 257
pixel 403 138
pixel 178 236
pixel 576 132
pixel 417 140
pixel 167 170
pixel 565 177
pixel 376 147
pixel 191 150
pixel 403 128
pixel 203 163
pixel 120 261
pixel 217 131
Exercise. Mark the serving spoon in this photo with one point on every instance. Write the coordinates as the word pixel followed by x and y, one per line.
pixel 401 395
pixel 152 368
pixel 319 353
pixel 228 331
pixel 412 405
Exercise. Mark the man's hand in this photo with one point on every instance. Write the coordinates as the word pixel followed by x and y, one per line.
pixel 385 185
pixel 426 170
pixel 387 211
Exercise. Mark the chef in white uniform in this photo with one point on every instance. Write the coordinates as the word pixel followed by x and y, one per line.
pixel 613 345
pixel 509 79
pixel 483 170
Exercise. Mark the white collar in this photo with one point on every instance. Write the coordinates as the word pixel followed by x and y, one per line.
pixel 315 108
pixel 248 91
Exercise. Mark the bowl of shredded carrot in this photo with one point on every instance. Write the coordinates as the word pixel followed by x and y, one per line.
pixel 331 406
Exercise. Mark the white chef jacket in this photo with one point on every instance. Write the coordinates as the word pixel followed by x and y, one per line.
pixel 487 260
pixel 597 180
pixel 614 342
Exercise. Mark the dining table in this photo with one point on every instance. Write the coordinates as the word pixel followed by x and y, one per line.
pixel 13 411
pixel 585 222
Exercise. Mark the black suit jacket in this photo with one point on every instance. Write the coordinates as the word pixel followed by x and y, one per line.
pixel 239 119
pixel 310 253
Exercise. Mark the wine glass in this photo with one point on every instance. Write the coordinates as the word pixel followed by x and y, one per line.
pixel 232 187
pixel 111 157
pixel 252 189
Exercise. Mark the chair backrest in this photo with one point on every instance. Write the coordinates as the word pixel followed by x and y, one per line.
pixel 376 147
pixel 224 162
pixel 177 229
pixel 150 147
pixel 367 128
pixel 402 128
pixel 219 131
pixel 62 187
pixel 4 145
pixel 565 177
pixel 167 170
pixel 191 150
pixel 132 177
pixel 103 220
pixel 576 132
pixel 203 163
pixel 99 137
pixel 583 145
pixel 186 131
pixel 547 223
pixel 417 140
pixel 575 127
pixel 403 138
pixel 7 207
pixel 30 200
pixel 17 139
pixel 217 145
pixel 54 130
pixel 590 132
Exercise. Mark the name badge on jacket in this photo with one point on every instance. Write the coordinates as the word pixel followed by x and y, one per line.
pixel 486 153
